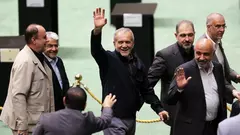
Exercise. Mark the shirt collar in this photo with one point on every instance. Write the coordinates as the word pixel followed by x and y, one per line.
pixel 210 68
pixel 50 59
pixel 208 37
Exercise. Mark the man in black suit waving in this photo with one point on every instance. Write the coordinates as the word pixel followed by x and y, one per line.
pixel 200 91
pixel 59 76
pixel 168 59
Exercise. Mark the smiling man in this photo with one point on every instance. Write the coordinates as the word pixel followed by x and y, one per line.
pixel 122 74
pixel 59 76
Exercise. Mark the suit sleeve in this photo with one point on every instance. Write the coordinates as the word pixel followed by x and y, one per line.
pixel 219 131
pixel 97 51
pixel 100 123
pixel 223 128
pixel 39 130
pixel 156 70
pixel 150 97
pixel 22 75
pixel 228 92
pixel 173 93
pixel 233 75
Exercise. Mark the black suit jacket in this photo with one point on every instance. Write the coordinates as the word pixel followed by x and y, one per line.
pixel 163 67
pixel 58 91
pixel 191 111
pixel 130 88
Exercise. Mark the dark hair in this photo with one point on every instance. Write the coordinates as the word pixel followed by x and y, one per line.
pixel 184 21
pixel 31 31
pixel 76 98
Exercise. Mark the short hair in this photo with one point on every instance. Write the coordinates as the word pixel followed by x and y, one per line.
pixel 212 16
pixel 123 30
pixel 52 35
pixel 182 22
pixel 76 98
pixel 31 31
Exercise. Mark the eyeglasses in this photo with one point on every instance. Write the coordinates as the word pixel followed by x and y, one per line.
pixel 219 26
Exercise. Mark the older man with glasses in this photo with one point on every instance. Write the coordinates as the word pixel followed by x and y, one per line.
pixel 216 26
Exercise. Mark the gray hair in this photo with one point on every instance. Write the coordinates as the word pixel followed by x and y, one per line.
pixel 123 30
pixel 52 35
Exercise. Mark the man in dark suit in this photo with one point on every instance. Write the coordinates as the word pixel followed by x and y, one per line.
pixel 123 74
pixel 59 76
pixel 215 29
pixel 71 120
pixel 168 59
pixel 199 90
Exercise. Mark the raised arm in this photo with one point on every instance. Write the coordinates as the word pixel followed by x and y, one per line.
pixel 156 71
pixel 97 50
pixel 100 123
pixel 177 86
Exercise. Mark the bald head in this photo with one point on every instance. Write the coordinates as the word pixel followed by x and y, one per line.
pixel 214 16
pixel 215 26
pixel 35 37
pixel 205 44
pixel 204 50
pixel 32 31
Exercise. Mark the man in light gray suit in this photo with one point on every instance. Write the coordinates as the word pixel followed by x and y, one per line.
pixel 30 90
pixel 215 30
pixel 229 126
pixel 71 120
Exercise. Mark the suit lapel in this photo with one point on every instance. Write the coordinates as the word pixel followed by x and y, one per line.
pixel 35 59
pixel 54 76
pixel 217 76
pixel 60 68
pixel 40 66
pixel 215 57
pixel 200 87
pixel 177 53
pixel 226 65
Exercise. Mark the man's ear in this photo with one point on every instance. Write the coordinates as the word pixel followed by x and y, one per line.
pixel 85 106
pixel 64 101
pixel 114 43
pixel 208 26
pixel 33 39
pixel 175 34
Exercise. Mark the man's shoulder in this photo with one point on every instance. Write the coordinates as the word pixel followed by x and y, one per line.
pixel 232 121
pixel 169 50
pixel 217 64
pixel 202 36
pixel 48 116
pixel 22 59
pixel 188 64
